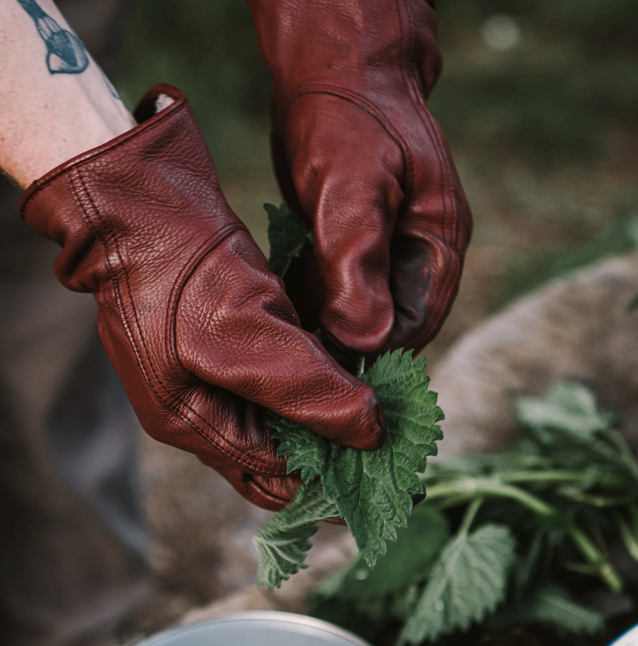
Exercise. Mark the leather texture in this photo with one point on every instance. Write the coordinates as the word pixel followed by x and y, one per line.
pixel 201 333
pixel 358 153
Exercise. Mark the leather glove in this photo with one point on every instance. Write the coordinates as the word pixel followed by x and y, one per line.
pixel 358 153
pixel 201 333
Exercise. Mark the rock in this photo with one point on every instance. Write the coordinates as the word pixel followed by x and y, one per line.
pixel 576 328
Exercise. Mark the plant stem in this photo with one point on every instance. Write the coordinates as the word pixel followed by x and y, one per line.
pixel 560 476
pixel 545 476
pixel 596 558
pixel 470 514
pixel 627 536
pixel 471 487
pixel 596 501
pixel 626 454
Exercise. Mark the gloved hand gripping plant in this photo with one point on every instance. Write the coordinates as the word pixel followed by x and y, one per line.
pixel 360 158
pixel 371 490
pixel 200 331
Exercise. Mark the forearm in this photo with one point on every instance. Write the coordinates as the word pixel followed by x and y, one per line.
pixel 56 102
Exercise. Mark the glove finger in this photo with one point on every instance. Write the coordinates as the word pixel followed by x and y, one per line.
pixel 272 494
pixel 237 329
pixel 266 492
pixel 352 193
pixel 428 247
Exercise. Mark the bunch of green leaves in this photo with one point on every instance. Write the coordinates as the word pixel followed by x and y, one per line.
pixel 497 533
pixel 524 520
pixel 370 490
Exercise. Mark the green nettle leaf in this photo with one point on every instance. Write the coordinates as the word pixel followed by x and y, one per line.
pixel 568 407
pixel 633 304
pixel 284 541
pixel 406 560
pixel 288 234
pixel 391 587
pixel 372 488
pixel 553 605
pixel 466 584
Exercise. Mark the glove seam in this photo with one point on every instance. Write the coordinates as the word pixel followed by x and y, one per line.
pixel 411 80
pixel 170 336
pixel 367 106
pixel 413 85
pixel 175 297
pixel 81 187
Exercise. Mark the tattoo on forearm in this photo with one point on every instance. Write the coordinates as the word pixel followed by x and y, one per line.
pixel 109 85
pixel 65 52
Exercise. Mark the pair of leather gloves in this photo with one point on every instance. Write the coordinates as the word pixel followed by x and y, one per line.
pixel 202 334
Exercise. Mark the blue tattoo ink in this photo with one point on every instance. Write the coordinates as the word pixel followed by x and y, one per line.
pixel 65 52
pixel 109 85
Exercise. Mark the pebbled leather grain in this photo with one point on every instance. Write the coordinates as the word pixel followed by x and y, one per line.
pixel 201 333
pixel 358 152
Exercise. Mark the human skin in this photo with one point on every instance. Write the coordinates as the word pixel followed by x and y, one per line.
pixel 56 101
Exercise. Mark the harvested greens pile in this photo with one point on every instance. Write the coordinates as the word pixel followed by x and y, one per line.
pixel 498 535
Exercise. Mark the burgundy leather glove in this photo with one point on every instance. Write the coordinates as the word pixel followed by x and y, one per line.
pixel 199 330
pixel 357 151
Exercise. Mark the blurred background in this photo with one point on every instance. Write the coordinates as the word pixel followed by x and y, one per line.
pixel 539 101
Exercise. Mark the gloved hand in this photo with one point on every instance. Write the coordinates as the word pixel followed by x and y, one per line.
pixel 199 330
pixel 357 152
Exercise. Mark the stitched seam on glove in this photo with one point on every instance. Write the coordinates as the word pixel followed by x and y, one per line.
pixel 164 401
pixel 413 86
pixel 367 106
pixel 170 337
pixel 171 333
pixel 185 274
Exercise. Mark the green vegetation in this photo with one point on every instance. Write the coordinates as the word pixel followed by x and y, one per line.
pixel 524 521
pixel 369 489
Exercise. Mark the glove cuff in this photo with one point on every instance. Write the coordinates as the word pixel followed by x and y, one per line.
pixel 145 114
pixel 99 205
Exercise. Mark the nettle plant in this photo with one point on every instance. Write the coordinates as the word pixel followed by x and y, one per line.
pixel 497 535
pixel 370 490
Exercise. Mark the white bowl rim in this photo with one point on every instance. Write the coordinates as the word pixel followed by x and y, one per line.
pixel 258 615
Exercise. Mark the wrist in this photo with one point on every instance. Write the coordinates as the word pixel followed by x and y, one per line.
pixel 64 134
pixel 56 103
